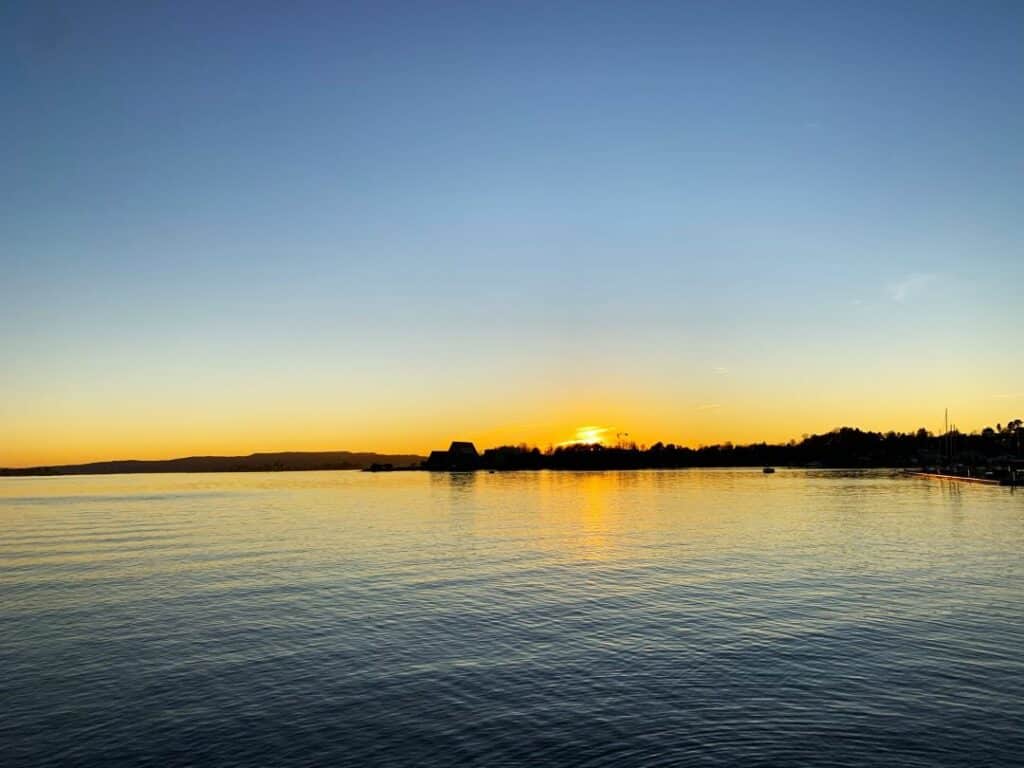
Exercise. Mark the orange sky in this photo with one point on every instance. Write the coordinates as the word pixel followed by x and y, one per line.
pixel 79 429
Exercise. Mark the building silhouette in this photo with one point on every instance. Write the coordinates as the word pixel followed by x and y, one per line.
pixel 460 456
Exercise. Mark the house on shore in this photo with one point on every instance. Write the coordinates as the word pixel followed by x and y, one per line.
pixel 460 456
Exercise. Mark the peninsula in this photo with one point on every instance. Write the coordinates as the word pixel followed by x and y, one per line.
pixel 290 461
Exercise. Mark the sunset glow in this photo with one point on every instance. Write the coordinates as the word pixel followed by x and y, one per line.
pixel 588 436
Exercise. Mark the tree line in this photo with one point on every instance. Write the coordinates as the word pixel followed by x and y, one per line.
pixel 842 447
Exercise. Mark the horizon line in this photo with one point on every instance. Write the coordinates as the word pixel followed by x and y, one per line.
pixel 551 447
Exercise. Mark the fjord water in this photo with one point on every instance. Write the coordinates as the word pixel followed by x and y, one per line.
pixel 718 617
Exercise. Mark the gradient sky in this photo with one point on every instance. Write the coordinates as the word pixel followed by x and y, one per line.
pixel 385 225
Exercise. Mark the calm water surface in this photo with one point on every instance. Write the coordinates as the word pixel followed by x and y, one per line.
pixel 615 619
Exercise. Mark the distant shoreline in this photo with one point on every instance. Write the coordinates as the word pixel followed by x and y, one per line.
pixel 289 461
pixel 992 453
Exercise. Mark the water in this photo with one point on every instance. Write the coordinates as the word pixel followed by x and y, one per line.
pixel 648 618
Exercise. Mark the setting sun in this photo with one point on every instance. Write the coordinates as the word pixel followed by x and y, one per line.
pixel 588 436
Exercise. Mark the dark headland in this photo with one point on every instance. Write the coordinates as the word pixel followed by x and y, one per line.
pixel 291 461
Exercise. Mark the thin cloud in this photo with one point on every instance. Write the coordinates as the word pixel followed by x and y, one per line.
pixel 910 287
pixel 1009 396
pixel 589 434
pixel 709 406
pixel 719 370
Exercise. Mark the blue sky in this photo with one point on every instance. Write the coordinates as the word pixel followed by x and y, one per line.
pixel 717 220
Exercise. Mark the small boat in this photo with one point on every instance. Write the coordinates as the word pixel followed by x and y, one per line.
pixel 769 470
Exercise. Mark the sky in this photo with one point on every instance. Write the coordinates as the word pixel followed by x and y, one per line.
pixel 228 228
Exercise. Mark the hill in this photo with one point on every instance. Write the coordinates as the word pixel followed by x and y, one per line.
pixel 290 461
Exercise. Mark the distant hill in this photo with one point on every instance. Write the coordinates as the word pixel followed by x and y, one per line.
pixel 290 461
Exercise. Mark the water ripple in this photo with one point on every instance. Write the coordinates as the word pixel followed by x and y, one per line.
pixel 708 618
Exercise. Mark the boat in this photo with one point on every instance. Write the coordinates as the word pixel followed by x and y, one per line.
pixel 769 470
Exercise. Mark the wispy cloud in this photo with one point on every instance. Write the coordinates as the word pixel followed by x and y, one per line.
pixel 1009 396
pixel 720 371
pixel 709 406
pixel 910 287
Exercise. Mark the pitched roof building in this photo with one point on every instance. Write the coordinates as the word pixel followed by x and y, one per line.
pixel 459 456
